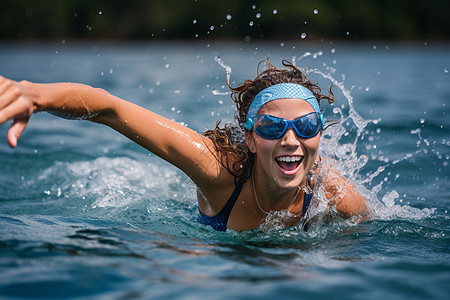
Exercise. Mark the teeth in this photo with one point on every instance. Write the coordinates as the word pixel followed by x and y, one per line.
pixel 289 158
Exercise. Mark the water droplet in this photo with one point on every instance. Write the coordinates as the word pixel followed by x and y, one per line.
pixel 253 6
pixel 445 70
pixel 275 11
pixel 258 15
pixel 211 28
pixel 100 12
pixel 347 33
pixel 316 11
pixel 333 50
pixel 303 35
pixel 177 92
pixel 229 17
pixel 111 71
pixel 281 44
pixel 173 108
pixel 367 89
pixel 194 22
pixel 251 23
pixel 422 120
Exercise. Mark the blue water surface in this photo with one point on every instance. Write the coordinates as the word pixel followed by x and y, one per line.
pixel 87 214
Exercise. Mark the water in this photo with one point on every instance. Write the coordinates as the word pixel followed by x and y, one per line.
pixel 85 213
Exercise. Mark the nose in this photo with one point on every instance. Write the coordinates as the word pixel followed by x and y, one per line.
pixel 290 138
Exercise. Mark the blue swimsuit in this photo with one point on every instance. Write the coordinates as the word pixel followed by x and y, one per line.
pixel 219 221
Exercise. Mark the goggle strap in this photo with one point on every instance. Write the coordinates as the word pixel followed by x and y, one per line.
pixel 249 124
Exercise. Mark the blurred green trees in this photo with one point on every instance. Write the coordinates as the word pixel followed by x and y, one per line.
pixel 237 19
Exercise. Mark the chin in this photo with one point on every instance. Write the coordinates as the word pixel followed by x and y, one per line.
pixel 290 182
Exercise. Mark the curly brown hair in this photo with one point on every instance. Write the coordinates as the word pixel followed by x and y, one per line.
pixel 228 141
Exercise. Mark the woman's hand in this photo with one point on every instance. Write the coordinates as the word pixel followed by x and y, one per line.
pixel 17 103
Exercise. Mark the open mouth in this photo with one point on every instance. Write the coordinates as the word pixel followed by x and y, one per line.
pixel 289 163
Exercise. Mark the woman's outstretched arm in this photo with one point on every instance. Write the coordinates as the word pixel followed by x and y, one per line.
pixel 180 146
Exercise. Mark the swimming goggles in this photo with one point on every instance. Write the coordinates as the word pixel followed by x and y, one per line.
pixel 272 128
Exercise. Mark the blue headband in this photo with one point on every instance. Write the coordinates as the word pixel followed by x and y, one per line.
pixel 281 91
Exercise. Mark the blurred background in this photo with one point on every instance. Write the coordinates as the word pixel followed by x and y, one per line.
pixel 312 20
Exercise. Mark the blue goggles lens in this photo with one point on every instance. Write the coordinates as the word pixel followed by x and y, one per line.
pixel 272 128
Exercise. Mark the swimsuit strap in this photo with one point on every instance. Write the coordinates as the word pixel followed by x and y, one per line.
pixel 306 203
pixel 307 198
pixel 219 221
pixel 226 210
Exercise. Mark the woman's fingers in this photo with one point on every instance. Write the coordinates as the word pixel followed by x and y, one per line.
pixel 17 127
pixel 18 111
pixel 15 105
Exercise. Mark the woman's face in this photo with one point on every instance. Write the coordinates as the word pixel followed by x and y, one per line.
pixel 288 159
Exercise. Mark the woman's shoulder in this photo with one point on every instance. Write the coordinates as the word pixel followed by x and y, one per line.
pixel 342 194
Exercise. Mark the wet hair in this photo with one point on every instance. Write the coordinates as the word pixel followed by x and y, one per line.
pixel 229 141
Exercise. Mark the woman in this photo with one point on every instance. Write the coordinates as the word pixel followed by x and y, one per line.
pixel 241 182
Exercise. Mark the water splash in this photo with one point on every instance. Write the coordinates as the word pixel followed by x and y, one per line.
pixel 223 65
pixel 114 187
pixel 345 158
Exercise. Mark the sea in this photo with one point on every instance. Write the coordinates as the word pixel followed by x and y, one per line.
pixel 87 214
